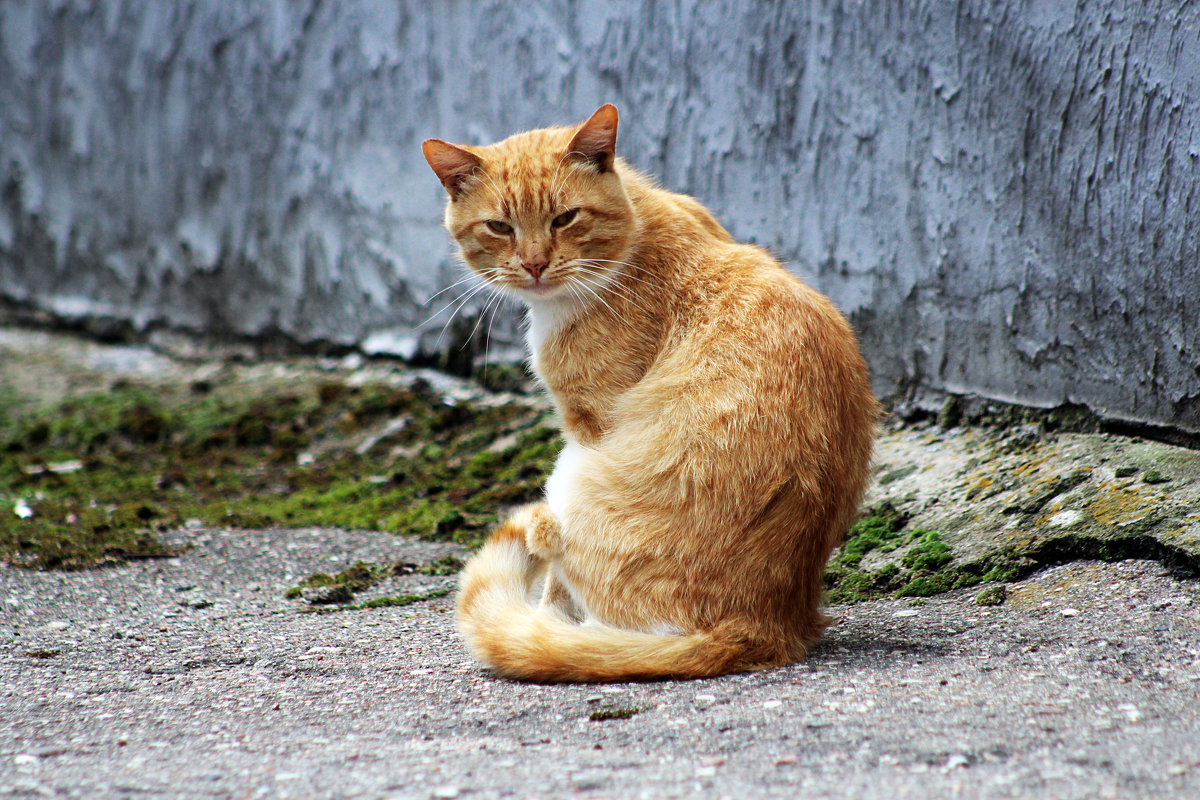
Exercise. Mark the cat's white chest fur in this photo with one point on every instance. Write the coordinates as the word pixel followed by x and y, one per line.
pixel 545 317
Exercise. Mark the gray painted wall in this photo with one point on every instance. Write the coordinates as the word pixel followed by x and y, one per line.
pixel 1002 195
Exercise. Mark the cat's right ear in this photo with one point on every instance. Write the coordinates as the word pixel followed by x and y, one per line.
pixel 596 139
pixel 454 165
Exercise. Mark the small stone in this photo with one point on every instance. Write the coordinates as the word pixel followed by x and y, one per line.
pixel 1069 612
pixel 706 772
pixel 1125 472
pixel 955 761
pixel 906 612
pixel 1153 476
pixel 446 792
pixel 57 625
pixel 1131 712
pixel 706 698
pixel 783 761
pixel 770 704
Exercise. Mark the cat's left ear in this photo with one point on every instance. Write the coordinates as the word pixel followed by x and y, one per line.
pixel 596 139
pixel 454 165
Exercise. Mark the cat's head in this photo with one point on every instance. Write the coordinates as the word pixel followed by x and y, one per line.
pixel 541 214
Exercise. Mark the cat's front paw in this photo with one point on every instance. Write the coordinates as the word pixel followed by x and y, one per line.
pixel 542 533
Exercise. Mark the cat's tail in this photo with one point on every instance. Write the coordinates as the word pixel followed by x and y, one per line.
pixel 505 631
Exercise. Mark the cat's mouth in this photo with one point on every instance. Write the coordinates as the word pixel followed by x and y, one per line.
pixel 541 288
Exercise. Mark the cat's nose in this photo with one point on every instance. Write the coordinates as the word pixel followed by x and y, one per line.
pixel 534 268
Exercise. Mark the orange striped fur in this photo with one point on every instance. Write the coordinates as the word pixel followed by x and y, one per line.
pixel 717 416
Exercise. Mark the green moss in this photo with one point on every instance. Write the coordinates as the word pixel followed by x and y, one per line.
pixel 992 596
pixel 273 456
pixel 383 602
pixel 1002 573
pixel 504 377
pixel 446 565
pixel 360 576
pixel 401 600
pixel 924 586
pixel 847 585
pixel 613 713
pixel 926 566
pixel 879 529
pixel 928 553
pixel 342 587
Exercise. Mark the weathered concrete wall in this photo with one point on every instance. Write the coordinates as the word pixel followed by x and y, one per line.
pixel 1002 195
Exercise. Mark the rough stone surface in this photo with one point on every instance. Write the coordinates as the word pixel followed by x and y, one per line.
pixel 193 677
pixel 1001 195
pixel 1043 496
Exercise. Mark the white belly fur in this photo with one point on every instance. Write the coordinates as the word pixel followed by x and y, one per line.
pixel 560 486
pixel 560 491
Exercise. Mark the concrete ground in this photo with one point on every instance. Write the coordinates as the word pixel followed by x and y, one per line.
pixel 194 677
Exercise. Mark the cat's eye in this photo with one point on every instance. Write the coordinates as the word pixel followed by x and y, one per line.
pixel 564 219
pixel 496 226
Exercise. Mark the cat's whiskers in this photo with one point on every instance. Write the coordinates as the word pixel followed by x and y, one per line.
pixel 575 289
pixel 482 313
pixel 469 278
pixel 500 298
pixel 462 301
pixel 609 282
pixel 629 264
pixel 581 282
pixel 616 274
pixel 465 279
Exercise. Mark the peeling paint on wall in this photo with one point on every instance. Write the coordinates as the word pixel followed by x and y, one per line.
pixel 1001 195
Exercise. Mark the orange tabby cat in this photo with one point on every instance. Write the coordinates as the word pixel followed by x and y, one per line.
pixel 717 416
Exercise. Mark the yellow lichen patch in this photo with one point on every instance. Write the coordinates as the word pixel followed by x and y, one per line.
pixel 1034 465
pixel 1116 505
pixel 978 486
